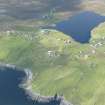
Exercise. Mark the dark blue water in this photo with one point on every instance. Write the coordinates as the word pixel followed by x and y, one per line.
pixel 79 26
pixel 12 94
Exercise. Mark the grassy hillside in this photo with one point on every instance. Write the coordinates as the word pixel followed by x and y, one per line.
pixel 59 64
pixel 98 32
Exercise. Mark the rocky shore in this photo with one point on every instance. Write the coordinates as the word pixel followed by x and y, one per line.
pixel 36 98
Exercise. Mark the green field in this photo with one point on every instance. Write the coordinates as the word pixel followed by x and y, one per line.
pixel 59 64
pixel 69 68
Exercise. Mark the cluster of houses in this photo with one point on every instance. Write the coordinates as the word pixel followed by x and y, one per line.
pixel 94 45
pixel 85 55
pixel 29 35
pixel 23 34
pixel 53 53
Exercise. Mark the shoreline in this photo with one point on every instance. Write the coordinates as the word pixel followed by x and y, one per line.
pixel 35 97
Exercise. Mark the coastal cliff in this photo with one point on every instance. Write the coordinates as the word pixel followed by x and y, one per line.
pixel 26 85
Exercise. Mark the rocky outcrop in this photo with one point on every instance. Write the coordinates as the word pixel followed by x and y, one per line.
pixel 49 100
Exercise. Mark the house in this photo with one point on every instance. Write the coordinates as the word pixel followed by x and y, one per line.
pixel 67 41
pixel 86 56
pixel 51 53
pixel 93 51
